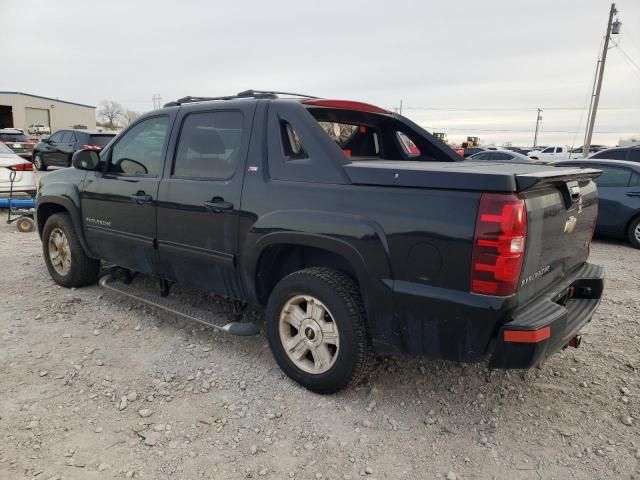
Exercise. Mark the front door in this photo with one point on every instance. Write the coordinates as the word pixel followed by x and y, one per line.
pixel 49 148
pixel 199 199
pixel 119 202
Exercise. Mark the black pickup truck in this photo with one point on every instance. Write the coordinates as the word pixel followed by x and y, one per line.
pixel 360 232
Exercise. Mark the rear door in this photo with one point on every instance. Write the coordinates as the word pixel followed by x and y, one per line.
pixel 119 202
pixel 199 198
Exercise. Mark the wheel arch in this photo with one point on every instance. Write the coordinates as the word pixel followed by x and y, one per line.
pixel 275 247
pixel 48 205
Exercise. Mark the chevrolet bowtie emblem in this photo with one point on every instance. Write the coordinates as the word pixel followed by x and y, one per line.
pixel 570 224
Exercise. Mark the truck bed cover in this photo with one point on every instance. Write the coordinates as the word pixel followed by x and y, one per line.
pixel 485 176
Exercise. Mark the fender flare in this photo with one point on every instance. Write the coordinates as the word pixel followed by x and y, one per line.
pixel 357 239
pixel 70 202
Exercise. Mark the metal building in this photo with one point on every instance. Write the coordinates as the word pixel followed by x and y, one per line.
pixel 19 110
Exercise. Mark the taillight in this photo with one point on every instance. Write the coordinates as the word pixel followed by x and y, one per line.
pixel 22 167
pixel 95 148
pixel 498 244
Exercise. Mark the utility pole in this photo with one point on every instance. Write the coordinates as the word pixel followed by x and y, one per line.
pixel 157 101
pixel 596 98
pixel 538 118
pixel 400 107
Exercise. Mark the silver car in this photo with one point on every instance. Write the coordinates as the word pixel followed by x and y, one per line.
pixel 503 156
pixel 24 181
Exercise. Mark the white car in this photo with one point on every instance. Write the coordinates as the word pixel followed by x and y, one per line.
pixel 550 154
pixel 25 179
pixel 38 129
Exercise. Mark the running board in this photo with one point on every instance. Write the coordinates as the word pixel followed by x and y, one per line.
pixel 167 304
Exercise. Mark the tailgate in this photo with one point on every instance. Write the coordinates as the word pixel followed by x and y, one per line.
pixel 562 207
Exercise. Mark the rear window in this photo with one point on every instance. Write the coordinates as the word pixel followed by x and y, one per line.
pixel 13 137
pixel 367 136
pixel 100 140
pixel 5 149
pixel 634 155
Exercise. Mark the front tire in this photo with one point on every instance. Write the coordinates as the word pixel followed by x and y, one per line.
pixel 39 163
pixel 64 256
pixel 633 232
pixel 317 331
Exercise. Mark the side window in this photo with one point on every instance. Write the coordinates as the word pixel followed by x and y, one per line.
pixel 481 156
pixel 501 156
pixel 57 137
pixel 613 177
pixel 635 180
pixel 634 155
pixel 548 150
pixel 139 151
pixel 291 143
pixel 68 137
pixel 209 145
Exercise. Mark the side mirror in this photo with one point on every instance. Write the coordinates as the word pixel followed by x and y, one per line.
pixel 85 160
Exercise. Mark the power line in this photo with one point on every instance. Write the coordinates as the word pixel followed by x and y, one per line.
pixel 629 59
pixel 518 131
pixel 514 109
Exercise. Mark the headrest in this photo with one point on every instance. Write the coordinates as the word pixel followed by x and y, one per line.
pixel 205 141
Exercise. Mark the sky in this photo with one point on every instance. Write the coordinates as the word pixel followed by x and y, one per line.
pixel 460 67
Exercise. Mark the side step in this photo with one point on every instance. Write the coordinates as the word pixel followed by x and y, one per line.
pixel 142 294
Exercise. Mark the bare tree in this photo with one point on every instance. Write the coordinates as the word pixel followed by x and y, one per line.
pixel 111 112
pixel 129 116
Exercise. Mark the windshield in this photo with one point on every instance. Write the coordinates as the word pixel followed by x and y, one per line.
pixel 13 137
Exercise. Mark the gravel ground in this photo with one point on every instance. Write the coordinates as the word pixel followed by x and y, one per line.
pixel 94 385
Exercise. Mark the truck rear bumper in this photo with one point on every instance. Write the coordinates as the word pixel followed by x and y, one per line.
pixel 550 323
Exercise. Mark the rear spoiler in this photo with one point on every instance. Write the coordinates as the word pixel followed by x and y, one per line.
pixel 557 175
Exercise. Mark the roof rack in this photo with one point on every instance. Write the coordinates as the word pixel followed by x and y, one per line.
pixel 244 94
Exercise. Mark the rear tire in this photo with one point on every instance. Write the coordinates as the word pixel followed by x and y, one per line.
pixel 329 349
pixel 633 232
pixel 39 163
pixel 64 256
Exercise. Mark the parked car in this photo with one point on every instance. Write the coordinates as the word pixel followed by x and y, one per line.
pixel 619 197
pixel 578 152
pixel 502 156
pixel 17 141
pixel 550 154
pixel 58 149
pixel 631 154
pixel 317 209
pixel 24 181
pixel 472 151
pixel 39 129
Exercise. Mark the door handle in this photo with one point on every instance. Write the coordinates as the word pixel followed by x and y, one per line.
pixel 141 198
pixel 218 205
pixel 633 194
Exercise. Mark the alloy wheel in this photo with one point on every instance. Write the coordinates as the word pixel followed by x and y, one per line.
pixel 59 252
pixel 309 334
